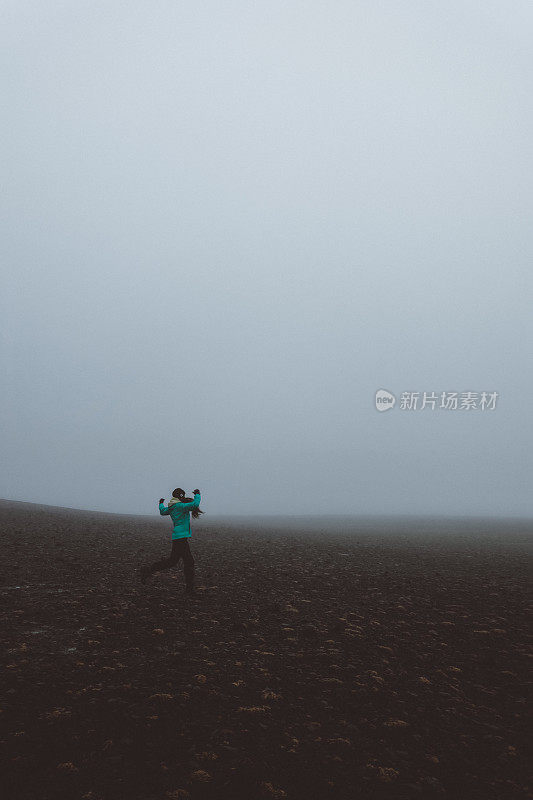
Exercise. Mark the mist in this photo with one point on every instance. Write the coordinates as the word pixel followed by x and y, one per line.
pixel 226 226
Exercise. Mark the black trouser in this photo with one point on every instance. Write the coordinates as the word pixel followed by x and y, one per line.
pixel 180 549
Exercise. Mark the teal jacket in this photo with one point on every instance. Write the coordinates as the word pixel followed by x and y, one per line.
pixel 180 516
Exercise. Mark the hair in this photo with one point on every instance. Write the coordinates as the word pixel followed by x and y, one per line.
pixel 181 494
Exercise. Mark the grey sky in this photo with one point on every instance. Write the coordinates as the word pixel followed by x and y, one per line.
pixel 225 225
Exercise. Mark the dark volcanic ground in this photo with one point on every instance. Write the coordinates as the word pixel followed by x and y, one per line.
pixel 327 660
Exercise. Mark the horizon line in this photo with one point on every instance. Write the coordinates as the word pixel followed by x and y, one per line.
pixel 347 515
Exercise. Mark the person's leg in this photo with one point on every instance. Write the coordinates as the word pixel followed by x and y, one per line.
pixel 165 563
pixel 188 566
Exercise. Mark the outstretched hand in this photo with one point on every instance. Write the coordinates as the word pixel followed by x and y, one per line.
pixel 196 491
pixel 162 500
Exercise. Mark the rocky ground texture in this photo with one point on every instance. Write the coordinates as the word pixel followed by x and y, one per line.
pixel 330 660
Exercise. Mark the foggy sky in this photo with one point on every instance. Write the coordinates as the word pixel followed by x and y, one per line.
pixel 226 225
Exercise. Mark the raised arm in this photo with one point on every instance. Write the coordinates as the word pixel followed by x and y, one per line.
pixel 163 509
pixel 194 503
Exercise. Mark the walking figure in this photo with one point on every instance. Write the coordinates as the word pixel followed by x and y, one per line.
pixel 179 509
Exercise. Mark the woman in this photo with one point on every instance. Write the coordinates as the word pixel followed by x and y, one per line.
pixel 179 509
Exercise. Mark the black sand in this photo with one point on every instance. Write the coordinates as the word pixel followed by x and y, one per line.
pixel 333 659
